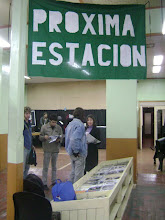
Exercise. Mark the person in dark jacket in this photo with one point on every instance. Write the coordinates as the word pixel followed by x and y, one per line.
pixel 92 157
pixel 27 133
pixel 44 119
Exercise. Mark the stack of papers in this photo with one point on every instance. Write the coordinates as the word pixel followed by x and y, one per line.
pixel 54 138
pixel 104 179
pixel 91 139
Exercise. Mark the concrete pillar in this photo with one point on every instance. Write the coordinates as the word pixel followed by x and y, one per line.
pixel 16 102
pixel 121 120
pixel 4 79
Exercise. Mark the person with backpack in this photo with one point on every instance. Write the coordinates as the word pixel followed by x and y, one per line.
pixel 27 133
pixel 76 144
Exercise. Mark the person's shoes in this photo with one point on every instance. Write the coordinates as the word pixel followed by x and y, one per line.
pixel 46 187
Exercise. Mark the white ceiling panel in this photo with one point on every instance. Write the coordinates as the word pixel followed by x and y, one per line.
pixel 157 48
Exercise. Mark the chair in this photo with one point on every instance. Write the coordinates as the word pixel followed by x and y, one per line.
pixel 30 206
pixel 30 186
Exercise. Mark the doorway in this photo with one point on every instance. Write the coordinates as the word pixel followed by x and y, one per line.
pixel 159 122
pixel 148 127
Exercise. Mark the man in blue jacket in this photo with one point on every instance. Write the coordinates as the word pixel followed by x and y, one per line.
pixel 76 144
pixel 27 133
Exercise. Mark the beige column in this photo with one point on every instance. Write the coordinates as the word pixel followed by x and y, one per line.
pixel 121 120
pixel 4 81
pixel 16 102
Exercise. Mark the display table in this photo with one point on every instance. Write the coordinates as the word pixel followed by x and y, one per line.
pixel 102 194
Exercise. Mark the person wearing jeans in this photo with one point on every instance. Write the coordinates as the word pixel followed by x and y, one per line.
pixel 47 156
pixel 51 136
pixel 78 166
pixel 76 144
pixel 27 133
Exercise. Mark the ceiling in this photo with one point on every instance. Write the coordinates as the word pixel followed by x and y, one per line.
pixel 153 3
pixel 155 44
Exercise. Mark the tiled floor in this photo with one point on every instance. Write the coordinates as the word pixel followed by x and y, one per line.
pixel 146 203
pixel 63 171
pixel 147 199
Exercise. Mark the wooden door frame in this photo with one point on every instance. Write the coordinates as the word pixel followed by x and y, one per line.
pixel 149 110
pixel 156 108
pixel 141 105
pixel 140 126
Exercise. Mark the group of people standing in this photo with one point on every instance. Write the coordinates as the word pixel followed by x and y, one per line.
pixel 83 155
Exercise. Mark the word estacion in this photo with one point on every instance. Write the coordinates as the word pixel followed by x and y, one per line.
pixel 123 55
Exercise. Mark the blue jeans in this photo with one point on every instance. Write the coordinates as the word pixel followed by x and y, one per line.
pixel 26 166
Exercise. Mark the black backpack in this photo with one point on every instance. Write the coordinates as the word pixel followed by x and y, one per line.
pixel 32 158
pixel 33 183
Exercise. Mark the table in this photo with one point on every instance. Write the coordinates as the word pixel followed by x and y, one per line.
pixel 104 204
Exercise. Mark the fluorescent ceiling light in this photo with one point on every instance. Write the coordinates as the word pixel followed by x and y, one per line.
pixel 4 43
pixel 163 28
pixel 158 60
pixel 156 69
pixel 27 77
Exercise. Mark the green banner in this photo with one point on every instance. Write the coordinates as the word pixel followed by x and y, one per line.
pixel 84 41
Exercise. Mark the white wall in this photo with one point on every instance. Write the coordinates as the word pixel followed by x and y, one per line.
pixel 151 90
pixel 86 94
pixel 51 96
pixel 121 115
